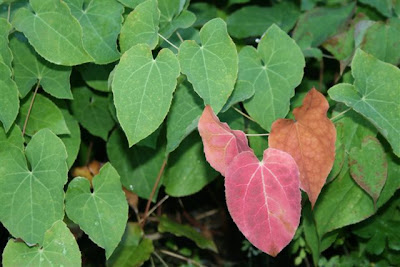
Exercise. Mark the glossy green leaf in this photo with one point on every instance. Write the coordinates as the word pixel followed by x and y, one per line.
pixel 255 20
pixel 143 89
pixel 29 68
pixel 180 177
pixel 59 43
pixel 211 67
pixel 5 52
pixel 9 101
pixel 274 70
pixel 32 186
pixel 141 26
pixel 71 141
pixel 374 95
pixel 184 115
pixel 59 248
pixel 101 214
pixel 101 23
pixel 96 76
pixel 169 226
pixel 44 114
pixel 90 108
pixel 385 7
pixel 138 166
pixel 173 18
pixel 133 250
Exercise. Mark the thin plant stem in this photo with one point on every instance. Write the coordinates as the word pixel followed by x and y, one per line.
pixel 243 114
pixel 264 134
pixel 178 256
pixel 30 108
pixel 160 259
pixel 9 12
pixel 153 191
pixel 340 114
pixel 155 207
pixel 179 36
pixel 165 39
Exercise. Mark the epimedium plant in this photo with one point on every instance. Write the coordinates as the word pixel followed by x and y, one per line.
pixel 137 78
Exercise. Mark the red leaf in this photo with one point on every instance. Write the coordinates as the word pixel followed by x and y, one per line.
pixel 310 140
pixel 264 198
pixel 221 144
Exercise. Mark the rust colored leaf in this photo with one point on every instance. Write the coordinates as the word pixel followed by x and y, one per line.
pixel 310 139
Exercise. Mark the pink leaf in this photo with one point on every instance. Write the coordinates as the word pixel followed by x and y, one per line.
pixel 264 198
pixel 221 144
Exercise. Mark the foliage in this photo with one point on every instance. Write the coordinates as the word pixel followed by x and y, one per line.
pixel 102 104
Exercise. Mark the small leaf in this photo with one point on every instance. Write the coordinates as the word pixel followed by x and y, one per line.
pixel 169 226
pixel 310 139
pixel 32 185
pixel 369 175
pixel 143 89
pixel 141 26
pixel 264 199
pixel 59 247
pixel 221 144
pixel 59 43
pixel 211 67
pixel 173 17
pixel 9 101
pixel 101 214
pixel 29 68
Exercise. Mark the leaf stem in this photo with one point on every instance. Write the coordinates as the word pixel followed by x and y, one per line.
pixel 9 12
pixel 155 207
pixel 165 39
pixel 153 191
pixel 178 256
pixel 160 259
pixel 30 107
pixel 243 114
pixel 339 115
pixel 179 36
pixel 264 134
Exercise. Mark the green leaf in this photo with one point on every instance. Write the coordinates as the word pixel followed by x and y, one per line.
pixel 141 26
pixel 151 140
pixel 9 101
pixel 71 141
pixel 392 181
pixel 59 248
pixel 32 186
pixel 374 95
pixel 384 7
pixel 59 43
pixel 143 89
pixel 186 34
pixel 369 175
pixel 274 70
pixel 382 41
pixel 101 23
pixel 138 166
pixel 257 143
pixel 12 139
pixel 188 171
pixel 29 68
pixel 101 214
pixel 184 115
pixel 133 250
pixel 96 76
pixel 212 67
pixel 5 52
pixel 131 3
pixel 44 114
pixel 169 226
pixel 243 90
pixel 204 13
pixel 340 153
pixel 173 18
pixel 90 108
pixel 255 20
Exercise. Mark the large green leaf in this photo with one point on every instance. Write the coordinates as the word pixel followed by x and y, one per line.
pixel 138 166
pixel 59 248
pixel 32 186
pixel 274 70
pixel 255 20
pixel 54 33
pixel 143 89
pixel 141 26
pixel 9 101
pixel 184 115
pixel 375 95
pixel 103 213
pixel 71 141
pixel 29 68
pixel 91 110
pixel 187 170
pixel 5 52
pixel 133 250
pixel 172 17
pixel 101 23
pixel 211 67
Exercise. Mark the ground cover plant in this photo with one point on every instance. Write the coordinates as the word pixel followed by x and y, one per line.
pixel 199 133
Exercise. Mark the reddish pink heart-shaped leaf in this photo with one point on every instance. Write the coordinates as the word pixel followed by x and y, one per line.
pixel 264 198
pixel 221 144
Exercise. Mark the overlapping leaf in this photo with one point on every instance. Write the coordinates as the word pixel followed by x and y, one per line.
pixel 103 213
pixel 173 16
pixel 264 199
pixel 274 70
pixel 5 52
pixel 143 89
pixel 212 66
pixel 9 101
pixel 71 141
pixel 310 140
pixel 96 76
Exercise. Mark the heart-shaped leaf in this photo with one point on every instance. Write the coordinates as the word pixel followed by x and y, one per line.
pixel 9 102
pixel 310 140
pixel 264 199
pixel 221 144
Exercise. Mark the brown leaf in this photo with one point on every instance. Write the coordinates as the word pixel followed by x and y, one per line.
pixel 88 171
pixel 132 199
pixel 310 140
